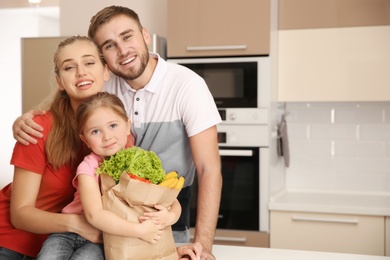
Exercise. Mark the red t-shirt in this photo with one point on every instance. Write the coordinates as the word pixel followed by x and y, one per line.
pixel 55 192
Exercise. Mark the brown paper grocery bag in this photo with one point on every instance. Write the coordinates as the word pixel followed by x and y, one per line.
pixel 129 199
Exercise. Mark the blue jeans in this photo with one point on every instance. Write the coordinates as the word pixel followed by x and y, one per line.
pixel 182 237
pixel 7 254
pixel 64 246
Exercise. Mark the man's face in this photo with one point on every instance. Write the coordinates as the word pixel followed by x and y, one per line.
pixel 124 46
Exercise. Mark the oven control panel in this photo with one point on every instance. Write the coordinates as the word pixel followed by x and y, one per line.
pixel 244 115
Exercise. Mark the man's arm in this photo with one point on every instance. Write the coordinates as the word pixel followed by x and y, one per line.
pixel 25 130
pixel 204 147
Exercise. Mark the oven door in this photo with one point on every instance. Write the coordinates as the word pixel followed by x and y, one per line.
pixel 239 209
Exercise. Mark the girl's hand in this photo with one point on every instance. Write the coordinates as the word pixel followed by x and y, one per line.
pixel 162 216
pixel 150 232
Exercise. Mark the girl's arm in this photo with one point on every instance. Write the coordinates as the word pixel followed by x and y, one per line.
pixel 25 216
pixel 109 222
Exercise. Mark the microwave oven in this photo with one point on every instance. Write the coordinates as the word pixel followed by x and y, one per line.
pixel 234 82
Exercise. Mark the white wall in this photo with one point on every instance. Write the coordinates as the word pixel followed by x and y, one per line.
pixel 31 22
pixel 339 146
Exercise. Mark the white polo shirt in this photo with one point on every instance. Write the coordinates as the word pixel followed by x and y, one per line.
pixel 175 105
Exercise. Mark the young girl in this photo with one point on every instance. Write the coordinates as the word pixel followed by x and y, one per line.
pixel 103 125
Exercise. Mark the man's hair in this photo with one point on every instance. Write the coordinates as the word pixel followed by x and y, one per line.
pixel 106 14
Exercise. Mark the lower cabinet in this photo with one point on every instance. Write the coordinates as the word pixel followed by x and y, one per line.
pixel 354 234
pixel 239 238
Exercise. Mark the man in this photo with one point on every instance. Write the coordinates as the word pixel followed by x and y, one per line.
pixel 172 112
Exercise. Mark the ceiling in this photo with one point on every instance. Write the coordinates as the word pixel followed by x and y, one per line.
pixel 25 3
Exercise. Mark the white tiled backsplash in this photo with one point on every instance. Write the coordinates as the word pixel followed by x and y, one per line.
pixel 339 146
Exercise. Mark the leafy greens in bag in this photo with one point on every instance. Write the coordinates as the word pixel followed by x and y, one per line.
pixel 134 160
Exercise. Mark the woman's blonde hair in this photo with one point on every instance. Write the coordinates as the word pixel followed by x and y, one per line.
pixel 63 144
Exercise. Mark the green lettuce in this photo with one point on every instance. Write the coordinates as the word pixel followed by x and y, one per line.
pixel 135 160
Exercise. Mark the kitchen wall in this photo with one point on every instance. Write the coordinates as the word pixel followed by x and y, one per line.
pixel 31 22
pixel 339 146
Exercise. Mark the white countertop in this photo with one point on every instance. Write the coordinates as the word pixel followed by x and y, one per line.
pixel 249 253
pixel 331 202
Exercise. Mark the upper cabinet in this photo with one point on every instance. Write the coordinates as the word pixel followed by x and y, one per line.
pixel 334 50
pixel 205 28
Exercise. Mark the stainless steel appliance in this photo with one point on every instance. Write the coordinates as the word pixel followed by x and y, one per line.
pixel 243 146
pixel 234 82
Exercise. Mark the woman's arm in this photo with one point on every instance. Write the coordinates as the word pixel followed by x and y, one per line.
pixel 109 222
pixel 25 216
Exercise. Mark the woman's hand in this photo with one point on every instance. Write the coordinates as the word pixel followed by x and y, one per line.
pixel 86 230
pixel 25 130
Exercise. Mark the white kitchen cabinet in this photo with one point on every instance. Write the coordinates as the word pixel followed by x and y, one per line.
pixel 333 51
pixel 334 64
pixel 387 236
pixel 218 28
pixel 340 233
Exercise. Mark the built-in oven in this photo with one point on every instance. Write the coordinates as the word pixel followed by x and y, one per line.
pixel 243 147
pixel 234 82
pixel 239 207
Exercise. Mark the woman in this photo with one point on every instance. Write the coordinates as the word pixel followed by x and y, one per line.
pixel 41 187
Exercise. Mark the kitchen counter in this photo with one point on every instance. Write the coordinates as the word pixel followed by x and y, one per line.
pixel 248 253
pixel 331 202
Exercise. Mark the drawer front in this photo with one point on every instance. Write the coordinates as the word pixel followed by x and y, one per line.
pixel 239 238
pixel 328 232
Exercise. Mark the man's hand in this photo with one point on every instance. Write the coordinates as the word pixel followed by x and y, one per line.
pixel 25 130
pixel 207 256
pixel 190 251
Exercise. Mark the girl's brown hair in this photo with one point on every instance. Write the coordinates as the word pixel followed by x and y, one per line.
pixel 101 99
pixel 63 144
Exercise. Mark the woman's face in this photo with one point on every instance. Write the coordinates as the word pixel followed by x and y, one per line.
pixel 81 72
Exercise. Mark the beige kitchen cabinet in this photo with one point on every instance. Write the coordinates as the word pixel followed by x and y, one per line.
pixel 206 28
pixel 331 51
pixel 387 236
pixel 239 238
pixel 355 234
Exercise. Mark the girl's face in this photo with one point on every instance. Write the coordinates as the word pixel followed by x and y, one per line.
pixel 105 132
pixel 81 72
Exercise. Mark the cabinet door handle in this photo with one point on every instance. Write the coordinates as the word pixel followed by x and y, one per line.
pixel 230 239
pixel 227 239
pixel 216 48
pixel 329 220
